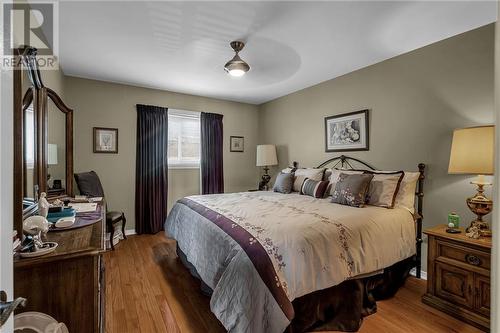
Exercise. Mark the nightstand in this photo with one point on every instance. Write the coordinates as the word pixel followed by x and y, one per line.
pixel 458 276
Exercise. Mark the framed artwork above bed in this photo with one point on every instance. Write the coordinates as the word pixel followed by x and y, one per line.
pixel 347 132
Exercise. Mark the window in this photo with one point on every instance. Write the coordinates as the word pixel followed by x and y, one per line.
pixel 183 139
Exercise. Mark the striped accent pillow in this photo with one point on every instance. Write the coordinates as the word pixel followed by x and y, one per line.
pixel 314 188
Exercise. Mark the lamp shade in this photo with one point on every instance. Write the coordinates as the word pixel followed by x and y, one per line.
pixel 472 151
pixel 266 155
pixel 52 154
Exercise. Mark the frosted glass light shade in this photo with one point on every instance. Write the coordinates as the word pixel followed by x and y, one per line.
pixel 472 151
pixel 266 155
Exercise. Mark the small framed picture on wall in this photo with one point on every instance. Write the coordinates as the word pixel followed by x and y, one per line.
pixel 236 144
pixel 105 140
pixel 347 132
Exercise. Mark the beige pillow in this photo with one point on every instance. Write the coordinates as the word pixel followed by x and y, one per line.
pixel 384 188
pixel 406 193
pixel 302 174
pixel 334 177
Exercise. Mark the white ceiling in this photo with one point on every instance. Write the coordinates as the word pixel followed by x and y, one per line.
pixel 183 46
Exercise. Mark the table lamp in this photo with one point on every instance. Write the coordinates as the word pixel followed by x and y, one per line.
pixel 266 156
pixel 472 152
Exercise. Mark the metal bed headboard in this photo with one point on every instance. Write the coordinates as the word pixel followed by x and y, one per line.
pixel 346 162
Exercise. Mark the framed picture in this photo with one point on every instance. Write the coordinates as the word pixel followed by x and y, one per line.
pixel 105 140
pixel 236 144
pixel 347 132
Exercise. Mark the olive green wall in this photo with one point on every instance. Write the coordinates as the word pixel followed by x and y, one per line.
pixel 104 104
pixel 415 102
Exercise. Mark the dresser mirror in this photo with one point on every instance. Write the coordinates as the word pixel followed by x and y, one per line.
pixel 29 146
pixel 43 140
pixel 56 150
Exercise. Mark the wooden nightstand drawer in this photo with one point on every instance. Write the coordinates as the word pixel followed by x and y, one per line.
pixel 466 255
pixel 458 273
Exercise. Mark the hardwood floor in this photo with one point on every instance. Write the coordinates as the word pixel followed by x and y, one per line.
pixel 149 290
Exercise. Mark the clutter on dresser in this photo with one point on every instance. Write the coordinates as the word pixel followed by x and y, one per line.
pixel 83 207
pixel 43 205
pixel 62 217
pixel 33 245
pixel 16 241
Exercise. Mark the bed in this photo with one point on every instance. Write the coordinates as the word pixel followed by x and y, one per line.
pixel 275 262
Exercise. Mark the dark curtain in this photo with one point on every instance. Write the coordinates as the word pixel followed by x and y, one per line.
pixel 212 172
pixel 151 183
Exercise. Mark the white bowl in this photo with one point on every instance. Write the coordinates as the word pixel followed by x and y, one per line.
pixel 38 322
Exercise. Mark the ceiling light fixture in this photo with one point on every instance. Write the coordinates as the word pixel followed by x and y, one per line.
pixel 236 66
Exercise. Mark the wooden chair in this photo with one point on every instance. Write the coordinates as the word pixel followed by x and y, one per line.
pixel 90 185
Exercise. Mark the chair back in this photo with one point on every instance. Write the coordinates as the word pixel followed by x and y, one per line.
pixel 89 184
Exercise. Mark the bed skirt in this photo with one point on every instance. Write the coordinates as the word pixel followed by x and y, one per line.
pixel 341 307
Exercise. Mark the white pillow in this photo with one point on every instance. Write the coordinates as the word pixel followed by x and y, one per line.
pixel 384 188
pixel 406 194
pixel 334 177
pixel 327 174
pixel 302 174
pixel 287 170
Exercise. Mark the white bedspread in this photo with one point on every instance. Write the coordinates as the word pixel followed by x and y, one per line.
pixel 313 244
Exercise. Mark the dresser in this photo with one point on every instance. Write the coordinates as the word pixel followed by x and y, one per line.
pixel 458 276
pixel 67 284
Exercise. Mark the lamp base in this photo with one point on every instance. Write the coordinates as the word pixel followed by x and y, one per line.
pixel 265 180
pixel 480 205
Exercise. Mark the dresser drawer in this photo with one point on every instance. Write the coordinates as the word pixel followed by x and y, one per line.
pixel 466 255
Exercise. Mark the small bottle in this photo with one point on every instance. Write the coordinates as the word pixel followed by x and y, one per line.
pixel 453 220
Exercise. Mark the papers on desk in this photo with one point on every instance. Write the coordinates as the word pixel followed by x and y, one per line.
pixel 83 207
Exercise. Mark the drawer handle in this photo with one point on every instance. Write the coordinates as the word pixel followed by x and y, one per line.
pixel 473 260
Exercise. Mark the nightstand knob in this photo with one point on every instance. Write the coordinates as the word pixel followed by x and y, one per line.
pixel 473 260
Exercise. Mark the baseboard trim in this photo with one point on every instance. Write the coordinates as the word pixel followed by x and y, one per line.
pixel 423 274
pixel 129 232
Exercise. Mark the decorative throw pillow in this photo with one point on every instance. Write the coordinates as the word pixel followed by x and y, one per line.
pixel 334 176
pixel 384 188
pixel 283 183
pixel 302 174
pixel 327 174
pixel 351 190
pixel 314 188
pixel 407 189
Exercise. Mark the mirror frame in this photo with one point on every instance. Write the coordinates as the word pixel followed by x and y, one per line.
pixel 38 94
pixel 27 101
pixel 47 94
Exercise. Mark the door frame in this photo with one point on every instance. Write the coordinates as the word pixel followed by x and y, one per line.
pixel 6 188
